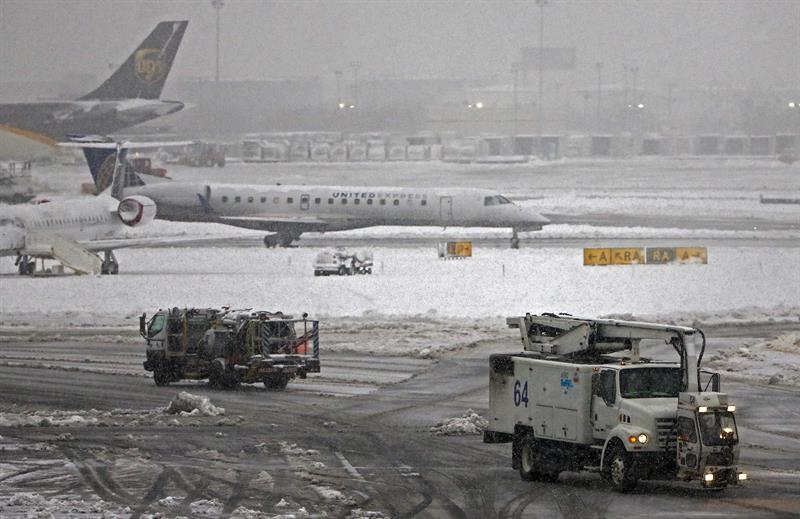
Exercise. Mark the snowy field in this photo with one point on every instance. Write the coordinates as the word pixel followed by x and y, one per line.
pixel 407 282
pixel 754 249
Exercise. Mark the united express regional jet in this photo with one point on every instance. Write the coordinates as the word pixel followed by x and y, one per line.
pixel 287 211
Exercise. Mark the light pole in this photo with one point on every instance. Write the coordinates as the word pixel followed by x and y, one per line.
pixel 515 72
pixel 635 103
pixel 599 66
pixel 541 3
pixel 217 5
pixel 339 103
pixel 355 65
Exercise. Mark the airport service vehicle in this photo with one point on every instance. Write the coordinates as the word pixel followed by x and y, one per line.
pixel 341 262
pixel 565 403
pixel 144 166
pixel 229 346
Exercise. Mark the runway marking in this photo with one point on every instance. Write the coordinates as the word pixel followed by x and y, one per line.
pixel 349 467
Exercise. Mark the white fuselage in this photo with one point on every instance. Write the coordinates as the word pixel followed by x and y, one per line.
pixel 78 220
pixel 331 208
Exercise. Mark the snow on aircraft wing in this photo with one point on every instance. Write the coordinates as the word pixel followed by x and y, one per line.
pixel 161 241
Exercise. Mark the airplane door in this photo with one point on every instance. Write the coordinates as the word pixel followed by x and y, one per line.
pixel 446 208
pixel 304 201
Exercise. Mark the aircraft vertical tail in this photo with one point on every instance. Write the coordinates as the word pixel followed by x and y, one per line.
pixel 143 74
pixel 108 165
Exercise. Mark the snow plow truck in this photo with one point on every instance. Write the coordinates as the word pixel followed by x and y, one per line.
pixel 567 404
pixel 229 347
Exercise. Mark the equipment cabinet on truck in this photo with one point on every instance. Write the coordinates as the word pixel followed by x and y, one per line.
pixel 565 403
pixel 229 346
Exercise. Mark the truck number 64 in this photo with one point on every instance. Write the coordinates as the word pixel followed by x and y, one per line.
pixel 520 393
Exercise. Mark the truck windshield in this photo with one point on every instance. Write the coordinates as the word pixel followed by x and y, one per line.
pixel 718 428
pixel 650 382
pixel 156 324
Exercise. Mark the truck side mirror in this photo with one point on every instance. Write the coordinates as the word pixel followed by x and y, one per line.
pixel 142 327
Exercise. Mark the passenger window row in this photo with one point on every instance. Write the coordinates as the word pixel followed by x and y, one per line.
pixel 317 201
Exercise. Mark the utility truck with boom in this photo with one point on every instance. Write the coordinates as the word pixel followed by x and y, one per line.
pixel 567 404
pixel 229 346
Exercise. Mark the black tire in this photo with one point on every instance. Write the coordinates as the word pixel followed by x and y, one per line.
pixel 162 377
pixel 113 269
pixel 530 467
pixel 618 469
pixel 342 271
pixel 276 382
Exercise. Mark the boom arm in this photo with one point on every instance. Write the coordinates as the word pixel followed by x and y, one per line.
pixel 556 335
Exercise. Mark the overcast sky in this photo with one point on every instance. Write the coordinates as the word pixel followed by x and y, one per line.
pixel 689 43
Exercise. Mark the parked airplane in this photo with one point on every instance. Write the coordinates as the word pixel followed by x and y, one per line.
pixel 72 230
pixel 129 97
pixel 288 211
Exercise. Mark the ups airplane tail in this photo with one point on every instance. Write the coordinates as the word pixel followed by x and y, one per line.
pixel 143 74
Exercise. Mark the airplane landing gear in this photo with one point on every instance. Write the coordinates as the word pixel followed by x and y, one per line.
pixel 281 239
pixel 24 266
pixel 110 264
pixel 514 239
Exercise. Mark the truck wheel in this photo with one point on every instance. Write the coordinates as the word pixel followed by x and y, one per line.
pixel 529 465
pixel 342 271
pixel 276 382
pixel 161 377
pixel 618 471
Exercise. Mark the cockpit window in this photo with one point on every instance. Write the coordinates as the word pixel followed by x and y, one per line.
pixel 495 200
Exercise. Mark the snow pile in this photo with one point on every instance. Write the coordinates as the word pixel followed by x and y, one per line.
pixel 358 513
pixel 773 361
pixel 187 404
pixel 332 495
pixel 44 420
pixel 206 508
pixel 742 316
pixel 468 423
pixel 33 505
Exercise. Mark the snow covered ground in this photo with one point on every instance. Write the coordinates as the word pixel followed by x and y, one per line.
pixel 407 282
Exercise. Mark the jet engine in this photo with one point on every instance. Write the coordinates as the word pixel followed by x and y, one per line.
pixel 136 210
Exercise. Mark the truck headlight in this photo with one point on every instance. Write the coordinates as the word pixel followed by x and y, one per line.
pixel 643 438
pixel 702 409
pixel 708 478
pixel 731 408
pixel 742 476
